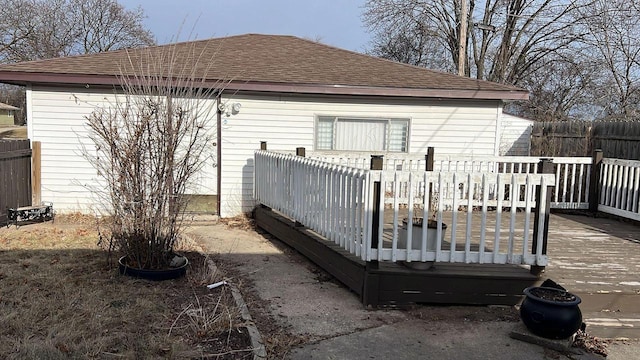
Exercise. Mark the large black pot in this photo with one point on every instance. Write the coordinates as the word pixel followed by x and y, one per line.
pixel 551 313
pixel 156 275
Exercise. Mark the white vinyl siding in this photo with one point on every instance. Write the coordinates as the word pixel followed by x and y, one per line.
pixel 349 134
pixel 287 122
pixel 58 116
pixel 58 121
pixel 515 139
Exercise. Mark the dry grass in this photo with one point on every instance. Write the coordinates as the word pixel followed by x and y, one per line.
pixel 61 299
pixel 13 132
pixel 240 222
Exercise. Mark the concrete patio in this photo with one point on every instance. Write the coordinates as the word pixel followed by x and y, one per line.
pixel 598 259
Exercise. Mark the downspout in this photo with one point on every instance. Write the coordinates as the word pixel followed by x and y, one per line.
pixel 219 151
pixel 498 134
pixel 29 112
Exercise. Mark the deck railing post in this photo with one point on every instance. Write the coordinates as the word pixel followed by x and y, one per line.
pixel 263 146
pixel 370 291
pixel 545 166
pixel 376 164
pixel 429 158
pixel 300 151
pixel 594 184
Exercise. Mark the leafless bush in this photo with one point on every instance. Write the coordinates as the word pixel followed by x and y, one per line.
pixel 149 143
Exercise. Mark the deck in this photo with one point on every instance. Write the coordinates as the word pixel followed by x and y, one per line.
pixel 595 258
pixel 393 284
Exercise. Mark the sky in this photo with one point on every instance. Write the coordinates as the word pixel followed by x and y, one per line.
pixel 333 22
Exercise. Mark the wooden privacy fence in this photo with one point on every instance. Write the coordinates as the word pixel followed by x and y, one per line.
pixel 346 205
pixel 15 175
pixel 570 190
pixel 617 139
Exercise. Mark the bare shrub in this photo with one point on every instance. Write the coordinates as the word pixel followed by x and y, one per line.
pixel 149 144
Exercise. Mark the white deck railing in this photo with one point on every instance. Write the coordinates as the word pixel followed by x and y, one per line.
pixel 620 188
pixel 474 234
pixel 337 202
pixel 570 191
pixel 330 199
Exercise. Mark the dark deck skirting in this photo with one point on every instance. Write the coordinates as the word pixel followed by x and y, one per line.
pixel 389 284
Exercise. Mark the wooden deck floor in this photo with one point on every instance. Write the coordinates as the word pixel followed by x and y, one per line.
pixel 461 229
pixel 393 284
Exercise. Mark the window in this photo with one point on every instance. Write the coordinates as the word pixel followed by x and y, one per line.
pixel 355 134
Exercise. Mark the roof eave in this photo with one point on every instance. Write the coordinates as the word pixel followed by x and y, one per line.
pixel 24 78
pixel 381 91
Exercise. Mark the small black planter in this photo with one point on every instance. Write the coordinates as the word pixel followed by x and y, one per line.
pixel 155 275
pixel 551 313
pixel 416 239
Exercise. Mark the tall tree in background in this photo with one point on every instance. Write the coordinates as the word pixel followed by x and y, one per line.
pixel 106 25
pixel 576 56
pixel 613 27
pixel 42 29
pixel 507 38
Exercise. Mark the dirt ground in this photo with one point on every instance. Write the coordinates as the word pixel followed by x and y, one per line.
pixel 60 297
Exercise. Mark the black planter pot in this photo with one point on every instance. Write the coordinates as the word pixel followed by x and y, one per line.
pixel 548 317
pixel 155 275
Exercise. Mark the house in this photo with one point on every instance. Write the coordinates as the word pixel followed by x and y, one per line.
pixel 7 114
pixel 288 91
pixel 515 137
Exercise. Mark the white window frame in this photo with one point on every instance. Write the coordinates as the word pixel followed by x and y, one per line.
pixel 323 118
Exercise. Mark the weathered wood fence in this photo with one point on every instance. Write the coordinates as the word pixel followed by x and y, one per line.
pixel 15 175
pixel 616 139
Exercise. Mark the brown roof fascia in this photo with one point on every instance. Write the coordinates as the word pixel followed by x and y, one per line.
pixel 379 91
pixel 23 78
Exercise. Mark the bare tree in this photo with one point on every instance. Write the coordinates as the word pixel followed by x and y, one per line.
pixel 415 31
pixel 105 25
pixel 560 91
pixel 579 58
pixel 14 95
pixel 508 38
pixel 40 29
pixel 613 28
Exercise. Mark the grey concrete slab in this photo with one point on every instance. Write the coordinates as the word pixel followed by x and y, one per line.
pixel 338 327
pixel 296 292
pixel 624 350
pixel 416 339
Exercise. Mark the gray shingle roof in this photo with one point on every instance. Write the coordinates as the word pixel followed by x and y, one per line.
pixel 262 59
